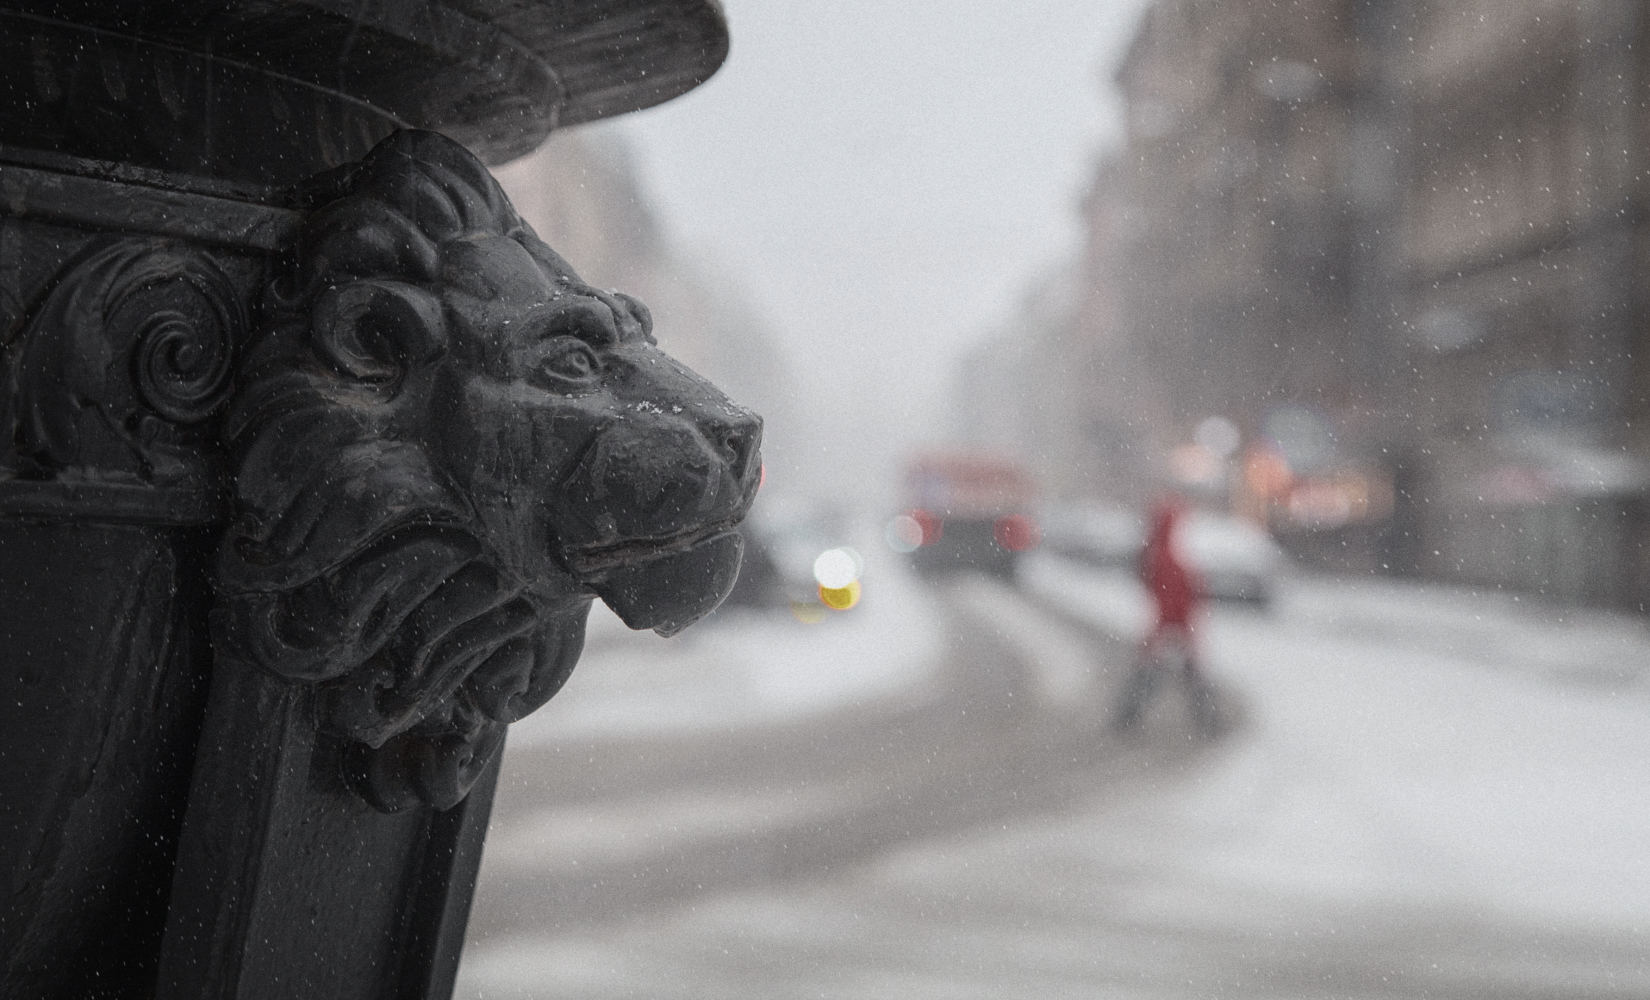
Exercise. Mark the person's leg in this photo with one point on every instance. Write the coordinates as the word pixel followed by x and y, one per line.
pixel 1137 690
pixel 1200 696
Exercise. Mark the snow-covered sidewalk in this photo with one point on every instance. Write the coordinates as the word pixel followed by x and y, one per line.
pixel 748 668
pixel 1434 793
pixel 1411 747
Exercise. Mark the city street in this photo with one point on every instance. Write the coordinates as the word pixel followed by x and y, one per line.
pixel 1421 792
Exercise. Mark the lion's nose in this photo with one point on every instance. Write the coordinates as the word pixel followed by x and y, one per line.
pixel 739 442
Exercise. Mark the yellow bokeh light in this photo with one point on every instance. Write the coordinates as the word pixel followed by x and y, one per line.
pixel 808 612
pixel 840 598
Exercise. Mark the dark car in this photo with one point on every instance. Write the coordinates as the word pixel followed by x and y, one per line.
pixel 969 511
pixel 783 538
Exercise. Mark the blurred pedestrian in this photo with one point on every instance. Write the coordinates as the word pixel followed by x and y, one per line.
pixel 1177 594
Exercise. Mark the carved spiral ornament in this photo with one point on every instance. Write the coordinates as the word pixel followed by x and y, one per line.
pixel 181 370
pixel 182 355
pixel 132 346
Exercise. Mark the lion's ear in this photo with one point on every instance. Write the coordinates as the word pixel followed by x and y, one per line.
pixel 374 331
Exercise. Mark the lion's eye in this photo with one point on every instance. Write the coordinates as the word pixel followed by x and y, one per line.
pixel 570 361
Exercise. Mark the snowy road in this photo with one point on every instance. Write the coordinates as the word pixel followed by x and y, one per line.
pixel 1432 793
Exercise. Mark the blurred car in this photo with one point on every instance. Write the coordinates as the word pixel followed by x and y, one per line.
pixel 783 538
pixel 1100 536
pixel 1237 559
pixel 760 583
pixel 972 512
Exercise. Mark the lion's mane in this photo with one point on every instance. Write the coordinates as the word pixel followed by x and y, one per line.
pixel 351 563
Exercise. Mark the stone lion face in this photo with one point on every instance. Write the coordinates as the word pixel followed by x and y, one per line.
pixel 447 446
pixel 606 458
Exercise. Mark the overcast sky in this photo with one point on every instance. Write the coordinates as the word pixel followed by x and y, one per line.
pixel 884 180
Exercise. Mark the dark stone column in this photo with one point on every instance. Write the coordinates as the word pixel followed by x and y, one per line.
pixel 126 302
pixel 226 770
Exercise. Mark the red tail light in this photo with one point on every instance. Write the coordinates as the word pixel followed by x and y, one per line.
pixel 1016 533
pixel 932 527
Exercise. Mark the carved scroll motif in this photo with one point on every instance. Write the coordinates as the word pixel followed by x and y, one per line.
pixel 109 390
pixel 445 446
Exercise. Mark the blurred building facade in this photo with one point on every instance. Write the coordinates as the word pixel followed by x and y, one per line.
pixel 1517 395
pixel 1061 385
pixel 581 193
pixel 1019 392
pixel 1395 242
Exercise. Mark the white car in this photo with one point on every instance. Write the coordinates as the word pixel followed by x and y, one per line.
pixel 1237 559
pixel 1099 536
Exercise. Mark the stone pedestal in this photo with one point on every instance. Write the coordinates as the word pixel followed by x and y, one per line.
pixel 178 817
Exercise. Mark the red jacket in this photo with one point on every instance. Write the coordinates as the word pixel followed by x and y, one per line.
pixel 1172 584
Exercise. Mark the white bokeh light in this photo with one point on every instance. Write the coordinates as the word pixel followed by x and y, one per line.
pixel 836 568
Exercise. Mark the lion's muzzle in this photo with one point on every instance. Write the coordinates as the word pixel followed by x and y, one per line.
pixel 671 589
pixel 650 518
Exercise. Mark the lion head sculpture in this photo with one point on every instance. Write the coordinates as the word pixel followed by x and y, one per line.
pixel 447 446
